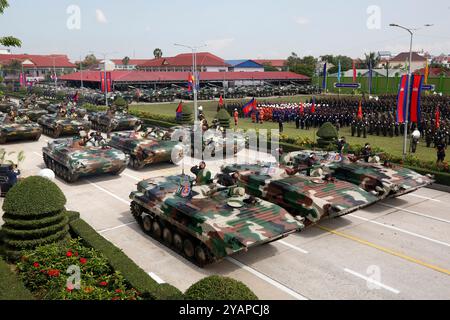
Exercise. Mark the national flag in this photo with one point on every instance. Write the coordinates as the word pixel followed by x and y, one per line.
pixel 354 72
pixel 401 99
pixel 360 113
pixel 221 101
pixel 179 108
pixel 339 72
pixel 302 108
pixel 427 72
pixel 416 91
pixel 324 82
pixel 249 106
pixel 190 82
pixel 437 118
pixel 313 107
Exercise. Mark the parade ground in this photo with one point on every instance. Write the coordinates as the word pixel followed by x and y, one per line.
pixel 396 249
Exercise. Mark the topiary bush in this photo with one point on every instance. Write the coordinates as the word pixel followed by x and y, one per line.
pixel 327 134
pixel 187 117
pixel 219 288
pixel 224 118
pixel 120 102
pixel 34 216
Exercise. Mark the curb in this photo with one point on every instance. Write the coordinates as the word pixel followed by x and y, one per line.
pixel 439 187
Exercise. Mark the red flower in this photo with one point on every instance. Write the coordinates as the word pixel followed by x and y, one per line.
pixel 76 254
pixel 83 260
pixel 118 291
pixel 115 298
pixel 69 253
pixel 36 265
pixel 103 283
pixel 53 273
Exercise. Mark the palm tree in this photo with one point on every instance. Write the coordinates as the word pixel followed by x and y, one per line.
pixel 125 61
pixel 157 53
pixel 371 59
pixel 8 41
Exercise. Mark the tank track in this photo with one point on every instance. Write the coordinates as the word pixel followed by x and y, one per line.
pixel 53 133
pixel 172 237
pixel 60 170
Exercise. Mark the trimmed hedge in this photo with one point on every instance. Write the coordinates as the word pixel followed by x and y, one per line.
pixel 34 196
pixel 219 288
pixel 224 118
pixel 137 277
pixel 11 287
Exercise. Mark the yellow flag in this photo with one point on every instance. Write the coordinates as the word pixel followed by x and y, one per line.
pixel 427 71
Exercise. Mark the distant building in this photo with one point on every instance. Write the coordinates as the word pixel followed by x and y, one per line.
pixel 401 61
pixel 131 65
pixel 279 64
pixel 244 66
pixel 206 62
pixel 5 51
pixel 443 60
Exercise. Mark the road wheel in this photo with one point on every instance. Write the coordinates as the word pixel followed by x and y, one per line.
pixel 167 236
pixel 156 229
pixel 201 255
pixel 178 242
pixel 188 248
pixel 135 163
pixel 136 210
pixel 147 224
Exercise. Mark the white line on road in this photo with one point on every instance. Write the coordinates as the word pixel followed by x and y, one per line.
pixel 132 177
pixel 110 193
pixel 377 283
pixel 414 212
pixel 117 227
pixel 38 154
pixel 156 278
pixel 401 230
pixel 422 197
pixel 292 246
pixel 267 279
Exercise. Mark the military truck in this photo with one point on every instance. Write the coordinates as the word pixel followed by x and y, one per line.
pixel 206 223
pixel 71 158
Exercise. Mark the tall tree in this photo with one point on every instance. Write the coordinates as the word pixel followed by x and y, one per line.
pixel 125 61
pixel 8 41
pixel 371 59
pixel 305 65
pixel 346 62
pixel 157 53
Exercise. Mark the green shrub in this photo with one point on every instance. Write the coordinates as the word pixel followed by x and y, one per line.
pixel 137 277
pixel 219 288
pixel 11 287
pixel 120 102
pixel 34 216
pixel 224 118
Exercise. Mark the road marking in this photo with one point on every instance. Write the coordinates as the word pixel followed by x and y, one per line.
pixel 156 278
pixel 267 279
pixel 110 193
pixel 422 197
pixel 386 250
pixel 414 212
pixel 401 230
pixel 379 284
pixel 117 227
pixel 292 246
pixel 38 154
pixel 132 177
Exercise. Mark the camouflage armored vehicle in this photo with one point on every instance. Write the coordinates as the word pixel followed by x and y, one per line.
pixel 6 106
pixel 144 148
pixel 70 159
pixel 113 121
pixel 313 198
pixel 207 223
pixel 55 126
pixel 33 112
pixel 18 130
pixel 383 180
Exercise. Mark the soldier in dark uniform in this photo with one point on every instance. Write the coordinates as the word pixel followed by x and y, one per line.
pixel 396 129
pixel 353 128
pixel 364 129
pixel 359 129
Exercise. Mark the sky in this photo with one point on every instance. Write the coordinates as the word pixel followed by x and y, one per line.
pixel 231 29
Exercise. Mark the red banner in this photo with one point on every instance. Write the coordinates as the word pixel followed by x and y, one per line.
pixel 107 81
pixel 417 81
pixel 401 99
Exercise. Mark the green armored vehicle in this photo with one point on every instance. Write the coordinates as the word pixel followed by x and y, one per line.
pixel 113 121
pixel 206 223
pixel 6 105
pixel 18 129
pixel 313 198
pixel 383 180
pixel 33 112
pixel 56 126
pixel 149 147
pixel 72 158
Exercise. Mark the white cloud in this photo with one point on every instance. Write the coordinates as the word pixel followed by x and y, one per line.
pixel 302 21
pixel 219 44
pixel 100 16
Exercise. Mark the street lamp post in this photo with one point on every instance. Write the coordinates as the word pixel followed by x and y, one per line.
pixel 405 141
pixel 104 64
pixel 194 72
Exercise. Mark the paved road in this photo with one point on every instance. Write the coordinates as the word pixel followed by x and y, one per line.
pixel 396 249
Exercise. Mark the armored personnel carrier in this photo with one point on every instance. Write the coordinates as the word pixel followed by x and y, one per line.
pixel 207 223
pixel 313 198
pixel 149 147
pixel 6 105
pixel 18 129
pixel 71 158
pixel 382 180
pixel 113 121
pixel 56 126
pixel 33 112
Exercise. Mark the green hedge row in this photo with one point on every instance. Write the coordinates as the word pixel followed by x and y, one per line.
pixel 19 234
pixel 28 224
pixel 30 244
pixel 11 287
pixel 137 277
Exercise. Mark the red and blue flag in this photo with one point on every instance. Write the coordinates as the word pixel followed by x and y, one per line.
pixel 249 106
pixel 401 99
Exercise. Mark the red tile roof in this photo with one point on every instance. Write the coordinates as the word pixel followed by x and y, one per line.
pixel 277 63
pixel 404 56
pixel 185 60
pixel 143 76
pixel 433 72
pixel 39 61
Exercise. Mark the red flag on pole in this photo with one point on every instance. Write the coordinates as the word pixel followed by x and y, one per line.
pixel 401 99
pixel 416 81
pixel 313 108
pixel 354 72
pixel 221 101
pixel 360 113
pixel 302 109
pixel 108 81
pixel 102 81
pixel 180 107
pixel 438 118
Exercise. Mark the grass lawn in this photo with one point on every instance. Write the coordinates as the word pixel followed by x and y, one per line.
pixel 391 145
